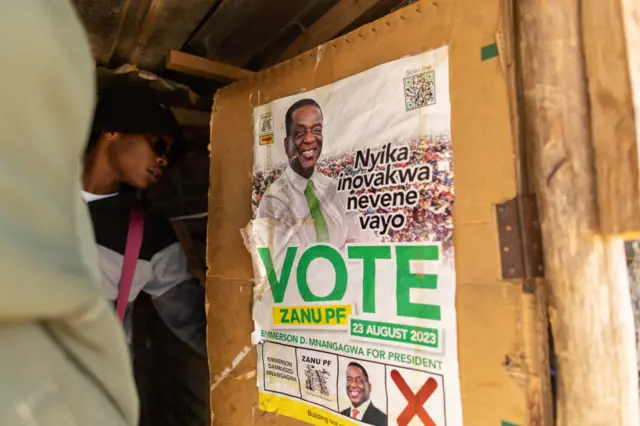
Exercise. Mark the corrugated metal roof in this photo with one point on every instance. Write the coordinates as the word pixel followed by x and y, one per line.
pixel 140 32
pixel 244 33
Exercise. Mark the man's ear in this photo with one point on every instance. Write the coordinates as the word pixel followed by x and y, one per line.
pixel 111 135
pixel 286 146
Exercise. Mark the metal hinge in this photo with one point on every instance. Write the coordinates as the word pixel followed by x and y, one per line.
pixel 520 238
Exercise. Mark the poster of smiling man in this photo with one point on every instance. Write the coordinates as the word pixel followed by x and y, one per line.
pixel 352 247
pixel 303 191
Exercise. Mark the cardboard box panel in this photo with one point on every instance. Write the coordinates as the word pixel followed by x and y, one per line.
pixel 490 311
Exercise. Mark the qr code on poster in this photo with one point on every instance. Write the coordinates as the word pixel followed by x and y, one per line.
pixel 420 90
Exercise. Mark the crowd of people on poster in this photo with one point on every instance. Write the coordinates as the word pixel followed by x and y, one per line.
pixel 428 217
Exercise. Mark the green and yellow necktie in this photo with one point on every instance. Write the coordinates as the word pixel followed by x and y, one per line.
pixel 322 233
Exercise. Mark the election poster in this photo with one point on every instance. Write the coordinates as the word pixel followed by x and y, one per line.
pixel 352 248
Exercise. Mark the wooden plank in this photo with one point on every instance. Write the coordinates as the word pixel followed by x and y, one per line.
pixel 328 26
pixel 631 20
pixel 202 67
pixel 191 117
pixel 613 123
pixel 535 320
pixel 589 302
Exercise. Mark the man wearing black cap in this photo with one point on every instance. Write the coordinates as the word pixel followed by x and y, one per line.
pixel 132 141
pixel 132 137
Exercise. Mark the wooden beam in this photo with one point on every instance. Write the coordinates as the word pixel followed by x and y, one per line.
pixel 631 21
pixel 589 303
pixel 607 48
pixel 203 67
pixel 328 26
pixel 535 317
pixel 191 117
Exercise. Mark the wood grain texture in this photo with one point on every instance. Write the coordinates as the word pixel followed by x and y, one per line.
pixel 631 22
pixel 613 126
pixel 589 304
pixel 202 67
pixel 535 322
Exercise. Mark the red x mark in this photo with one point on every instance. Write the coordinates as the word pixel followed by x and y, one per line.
pixel 416 401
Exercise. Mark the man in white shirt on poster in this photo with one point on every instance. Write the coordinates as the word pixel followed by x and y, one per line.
pixel 359 394
pixel 303 206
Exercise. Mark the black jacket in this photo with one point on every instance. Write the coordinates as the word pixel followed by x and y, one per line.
pixel 161 271
pixel 373 416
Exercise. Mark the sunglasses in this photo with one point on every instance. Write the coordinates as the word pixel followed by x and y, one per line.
pixel 161 145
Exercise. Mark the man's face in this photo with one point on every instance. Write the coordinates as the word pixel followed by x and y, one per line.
pixel 304 144
pixel 358 387
pixel 139 160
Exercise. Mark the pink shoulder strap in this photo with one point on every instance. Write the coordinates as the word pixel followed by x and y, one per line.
pixel 131 252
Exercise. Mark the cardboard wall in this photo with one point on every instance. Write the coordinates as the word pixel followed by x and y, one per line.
pixel 501 332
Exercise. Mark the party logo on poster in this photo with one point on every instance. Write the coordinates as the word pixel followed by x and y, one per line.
pixel 266 129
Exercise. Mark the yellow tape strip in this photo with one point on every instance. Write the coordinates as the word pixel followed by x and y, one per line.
pixel 301 411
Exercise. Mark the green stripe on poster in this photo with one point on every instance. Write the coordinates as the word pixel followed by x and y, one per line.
pixel 489 51
pixel 508 424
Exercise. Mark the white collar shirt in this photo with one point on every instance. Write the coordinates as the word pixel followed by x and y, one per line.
pixel 285 205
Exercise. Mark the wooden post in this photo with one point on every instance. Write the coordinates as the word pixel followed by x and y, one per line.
pixel 589 303
pixel 611 56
